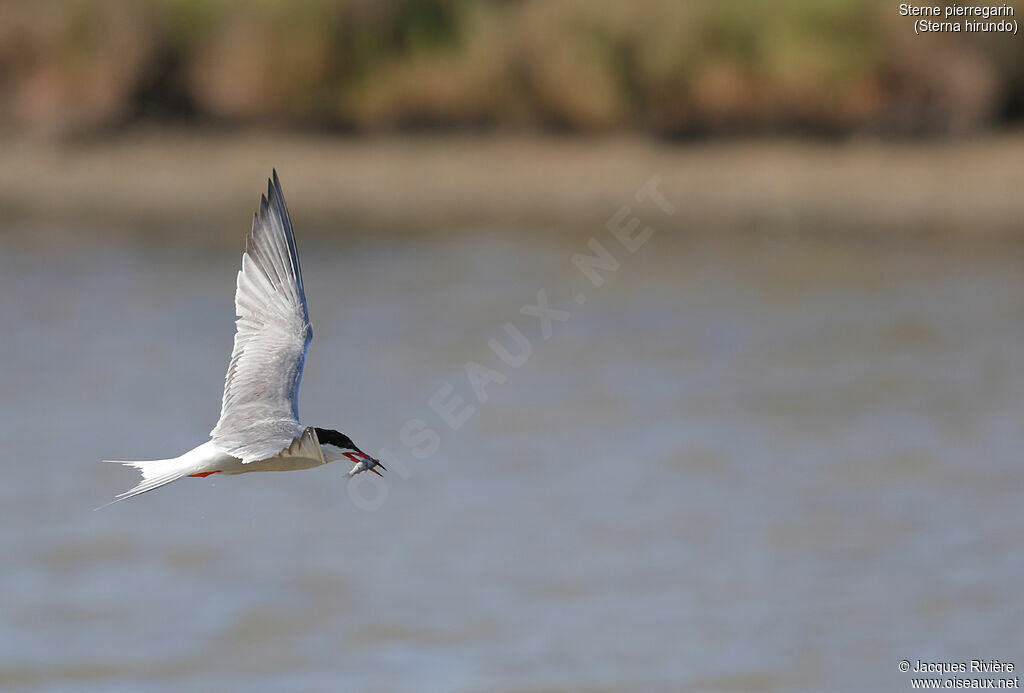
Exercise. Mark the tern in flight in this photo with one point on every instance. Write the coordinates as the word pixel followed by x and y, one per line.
pixel 259 429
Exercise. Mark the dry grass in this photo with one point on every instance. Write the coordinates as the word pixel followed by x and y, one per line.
pixel 667 67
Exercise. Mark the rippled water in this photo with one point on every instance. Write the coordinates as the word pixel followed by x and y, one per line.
pixel 736 467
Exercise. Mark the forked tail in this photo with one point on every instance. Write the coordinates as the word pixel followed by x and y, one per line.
pixel 155 473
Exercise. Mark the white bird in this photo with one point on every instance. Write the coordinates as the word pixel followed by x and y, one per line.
pixel 259 429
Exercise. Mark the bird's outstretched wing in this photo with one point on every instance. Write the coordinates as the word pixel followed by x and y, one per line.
pixel 260 411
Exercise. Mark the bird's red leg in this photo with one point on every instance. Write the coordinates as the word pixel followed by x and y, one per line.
pixel 203 475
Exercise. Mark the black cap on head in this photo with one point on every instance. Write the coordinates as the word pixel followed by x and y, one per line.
pixel 331 437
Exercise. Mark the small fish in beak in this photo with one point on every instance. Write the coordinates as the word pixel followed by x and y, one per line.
pixel 367 464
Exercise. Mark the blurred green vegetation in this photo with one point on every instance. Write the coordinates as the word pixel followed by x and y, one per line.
pixel 665 67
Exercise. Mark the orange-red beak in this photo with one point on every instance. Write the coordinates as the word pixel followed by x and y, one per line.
pixel 374 469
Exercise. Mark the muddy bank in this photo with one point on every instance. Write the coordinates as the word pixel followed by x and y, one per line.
pixel 163 182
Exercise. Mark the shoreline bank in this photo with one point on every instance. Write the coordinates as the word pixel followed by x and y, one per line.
pixel 407 185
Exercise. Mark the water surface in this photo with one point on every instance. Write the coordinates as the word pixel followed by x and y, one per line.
pixel 744 466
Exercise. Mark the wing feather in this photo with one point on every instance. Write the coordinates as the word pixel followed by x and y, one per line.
pixel 260 411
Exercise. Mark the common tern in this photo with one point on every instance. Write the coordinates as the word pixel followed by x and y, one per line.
pixel 259 429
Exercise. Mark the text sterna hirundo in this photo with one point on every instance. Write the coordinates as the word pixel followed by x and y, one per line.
pixel 259 429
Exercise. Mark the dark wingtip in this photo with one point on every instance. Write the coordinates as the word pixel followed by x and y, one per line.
pixel 274 186
pixel 274 192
